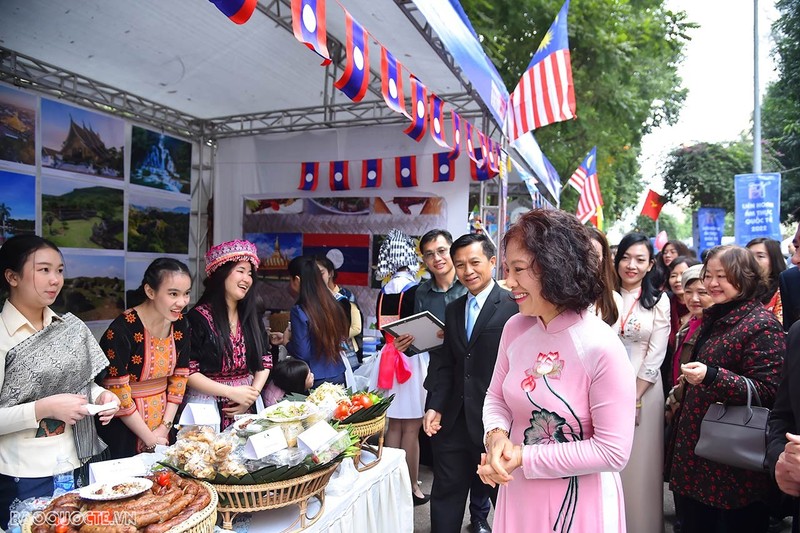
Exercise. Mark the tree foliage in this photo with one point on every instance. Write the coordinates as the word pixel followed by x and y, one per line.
pixel 624 67
pixel 703 173
pixel 781 105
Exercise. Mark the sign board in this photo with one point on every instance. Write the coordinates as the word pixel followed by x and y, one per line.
pixel 758 204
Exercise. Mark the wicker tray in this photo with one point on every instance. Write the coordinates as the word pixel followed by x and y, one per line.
pixel 365 430
pixel 202 521
pixel 235 499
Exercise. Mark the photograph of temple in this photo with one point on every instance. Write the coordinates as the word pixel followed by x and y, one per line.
pixel 17 126
pixel 77 140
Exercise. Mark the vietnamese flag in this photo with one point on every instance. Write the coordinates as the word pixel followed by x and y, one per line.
pixel 653 204
pixel 349 253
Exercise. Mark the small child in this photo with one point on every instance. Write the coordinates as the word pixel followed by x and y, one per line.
pixel 287 376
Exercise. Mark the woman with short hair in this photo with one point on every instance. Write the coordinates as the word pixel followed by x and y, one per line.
pixel 738 339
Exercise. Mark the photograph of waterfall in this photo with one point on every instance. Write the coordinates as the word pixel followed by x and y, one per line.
pixel 160 161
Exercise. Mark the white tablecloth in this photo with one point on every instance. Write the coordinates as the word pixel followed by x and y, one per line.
pixel 379 501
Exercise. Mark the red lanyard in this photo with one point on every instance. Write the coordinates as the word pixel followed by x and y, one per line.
pixel 625 320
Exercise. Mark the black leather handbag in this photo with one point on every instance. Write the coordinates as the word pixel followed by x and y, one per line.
pixel 735 435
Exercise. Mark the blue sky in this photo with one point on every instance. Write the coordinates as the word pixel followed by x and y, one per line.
pixel 91 265
pixel 17 98
pixel 18 192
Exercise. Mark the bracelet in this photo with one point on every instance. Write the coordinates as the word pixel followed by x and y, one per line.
pixel 150 449
pixel 490 433
pixel 167 423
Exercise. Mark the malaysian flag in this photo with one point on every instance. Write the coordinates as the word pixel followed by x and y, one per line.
pixel 544 94
pixel 590 198
pixel 579 176
pixel 371 173
pixel 338 178
pixel 418 119
pixel 355 78
pixel 405 168
pixel 309 176
pixel 392 82
pixel 443 167
pixel 308 26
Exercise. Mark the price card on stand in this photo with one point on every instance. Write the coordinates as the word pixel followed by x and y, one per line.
pixel 202 414
pixel 105 471
pixel 264 443
pixel 315 437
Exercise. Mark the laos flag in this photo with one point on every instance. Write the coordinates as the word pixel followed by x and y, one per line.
pixel 392 82
pixel 437 123
pixel 471 150
pixel 480 173
pixel 309 176
pixel 418 119
pixel 443 167
pixel 406 171
pixel 338 179
pixel 349 253
pixel 308 26
pixel 484 149
pixel 456 135
pixel 371 173
pixel 355 79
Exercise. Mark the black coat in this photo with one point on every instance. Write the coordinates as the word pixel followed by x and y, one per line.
pixel 464 369
pixel 785 414
pixel 790 296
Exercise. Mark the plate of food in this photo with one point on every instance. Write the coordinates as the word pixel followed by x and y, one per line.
pixel 116 490
pixel 288 411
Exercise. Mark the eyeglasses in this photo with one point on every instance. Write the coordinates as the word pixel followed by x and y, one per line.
pixel 441 252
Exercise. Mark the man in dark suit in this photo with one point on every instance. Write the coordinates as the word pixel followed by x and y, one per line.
pixel 783 454
pixel 463 373
pixel 790 283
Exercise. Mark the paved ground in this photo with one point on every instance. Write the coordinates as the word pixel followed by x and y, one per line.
pixel 422 523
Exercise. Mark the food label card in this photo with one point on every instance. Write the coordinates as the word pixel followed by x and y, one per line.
pixel 264 443
pixel 203 414
pixel 317 435
pixel 106 471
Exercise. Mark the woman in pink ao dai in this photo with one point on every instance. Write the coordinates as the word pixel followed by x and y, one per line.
pixel 561 404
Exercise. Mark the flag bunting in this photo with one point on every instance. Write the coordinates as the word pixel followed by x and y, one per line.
pixel 371 173
pixel 308 26
pixel 443 167
pixel 418 119
pixel 338 179
pixel 406 171
pixel 392 82
pixel 309 176
pixel 355 78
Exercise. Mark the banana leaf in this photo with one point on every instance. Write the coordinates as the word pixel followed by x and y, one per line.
pixel 362 415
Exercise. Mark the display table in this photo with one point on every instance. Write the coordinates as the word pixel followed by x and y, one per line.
pixel 379 500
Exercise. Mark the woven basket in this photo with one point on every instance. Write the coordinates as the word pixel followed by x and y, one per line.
pixel 364 430
pixel 235 499
pixel 202 521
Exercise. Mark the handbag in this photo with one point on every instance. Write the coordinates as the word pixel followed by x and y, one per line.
pixel 735 435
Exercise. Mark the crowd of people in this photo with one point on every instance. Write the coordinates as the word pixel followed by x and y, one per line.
pixel 565 395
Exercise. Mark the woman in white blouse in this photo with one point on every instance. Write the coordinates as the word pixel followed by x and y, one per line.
pixel 644 329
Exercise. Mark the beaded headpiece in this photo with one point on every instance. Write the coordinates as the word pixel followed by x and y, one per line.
pixel 237 250
pixel 397 251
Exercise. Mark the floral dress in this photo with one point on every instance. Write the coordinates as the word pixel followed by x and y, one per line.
pixel 145 373
pixel 234 373
pixel 565 391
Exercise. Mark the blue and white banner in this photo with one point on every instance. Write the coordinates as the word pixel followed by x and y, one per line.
pixel 709 227
pixel 758 204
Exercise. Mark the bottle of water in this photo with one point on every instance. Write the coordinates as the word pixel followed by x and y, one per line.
pixel 62 475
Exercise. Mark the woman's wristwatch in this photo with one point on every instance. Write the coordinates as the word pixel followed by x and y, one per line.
pixel 167 423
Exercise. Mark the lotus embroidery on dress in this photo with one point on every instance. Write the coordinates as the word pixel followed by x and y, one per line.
pixel 549 427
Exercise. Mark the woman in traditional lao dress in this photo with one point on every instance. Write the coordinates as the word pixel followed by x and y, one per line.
pixel 560 406
pixel 47 368
pixel 148 353
pixel 230 359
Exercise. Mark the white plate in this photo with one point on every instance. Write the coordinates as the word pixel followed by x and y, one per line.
pixel 269 413
pixel 116 490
